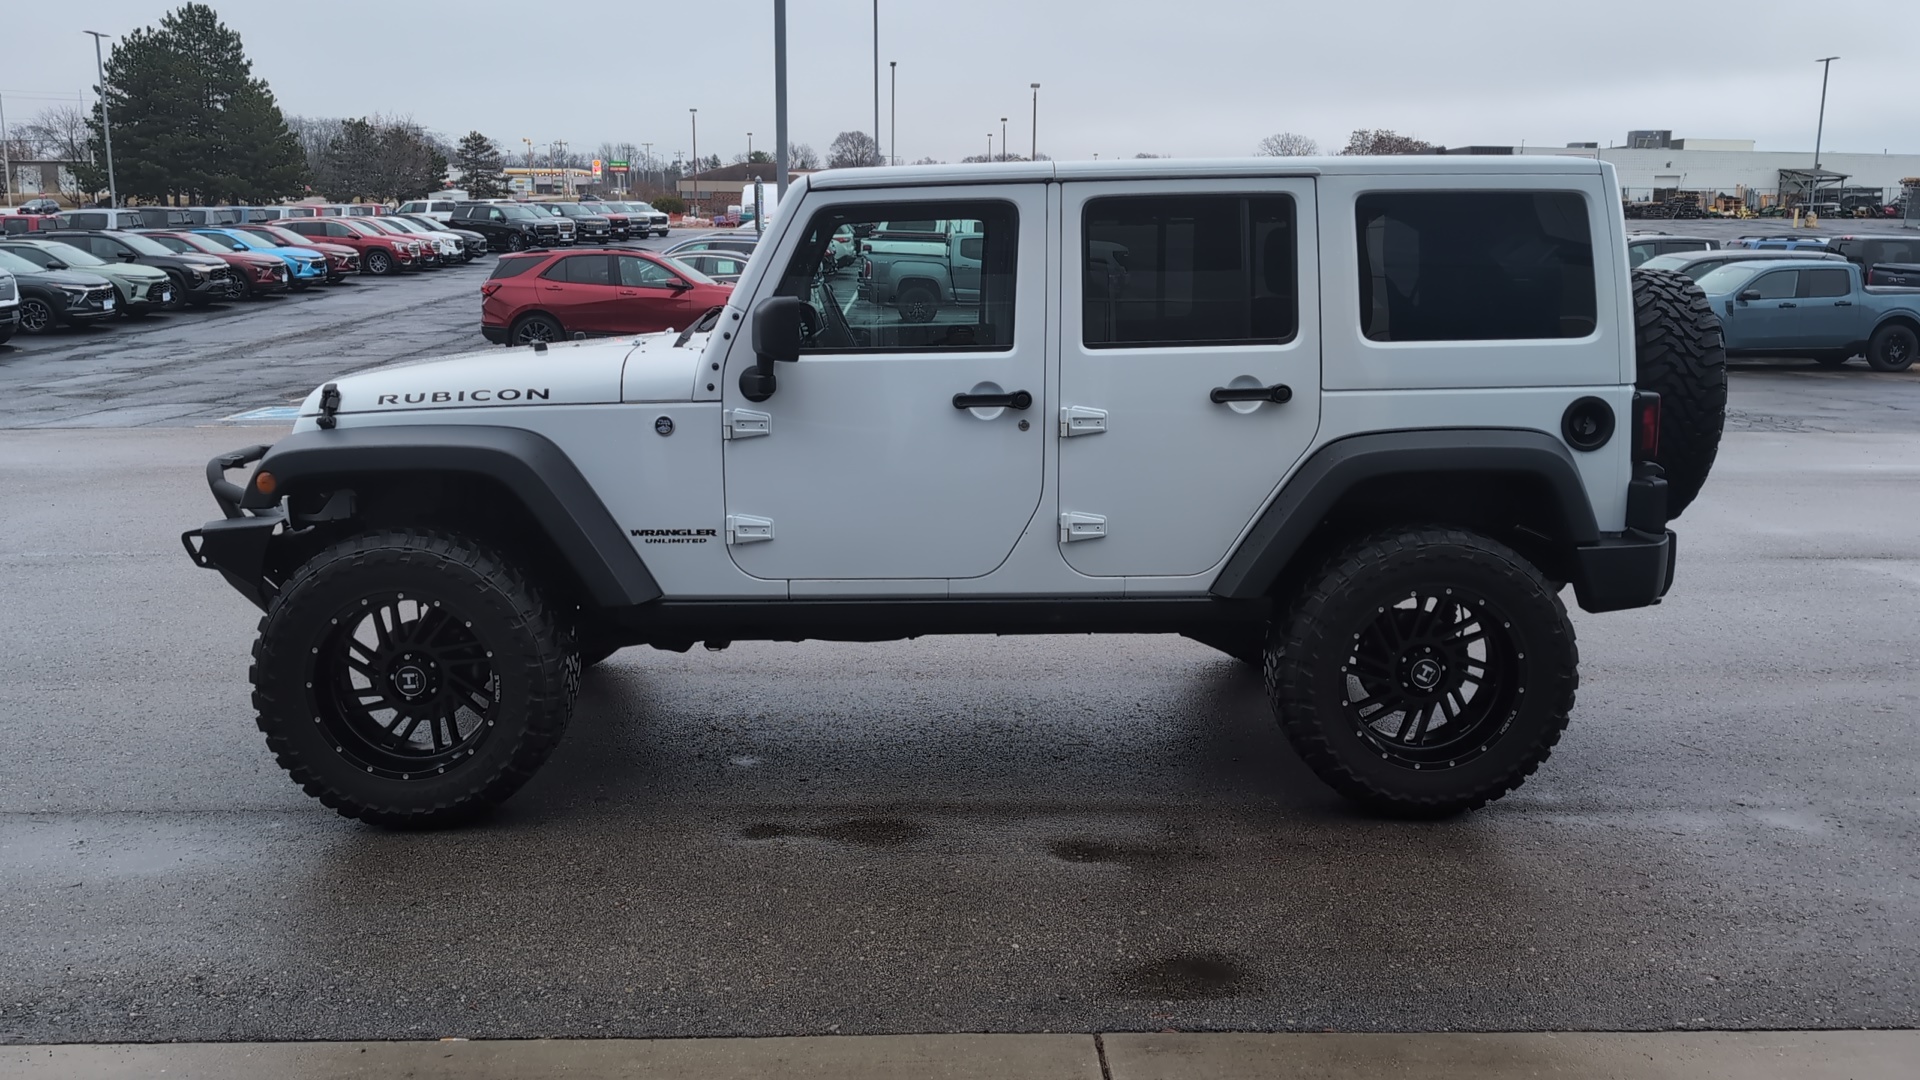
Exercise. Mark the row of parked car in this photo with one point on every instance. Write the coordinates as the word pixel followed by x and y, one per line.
pixel 1830 298
pixel 86 266
pixel 554 293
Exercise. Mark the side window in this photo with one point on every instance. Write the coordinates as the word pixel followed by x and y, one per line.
pixel 105 247
pixel 334 228
pixel 1638 253
pixel 644 273
pixel 496 215
pixel 580 270
pixel 1189 271
pixel 909 291
pixel 1828 283
pixel 1779 285
pixel 1475 266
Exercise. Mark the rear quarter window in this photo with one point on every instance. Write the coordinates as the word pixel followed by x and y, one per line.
pixel 513 267
pixel 1475 265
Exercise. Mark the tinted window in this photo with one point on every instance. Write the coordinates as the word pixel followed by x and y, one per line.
pixel 1817 283
pixel 35 256
pixel 916 294
pixel 1475 266
pixel 513 267
pixel 645 273
pixel 173 243
pixel 1189 270
pixel 334 228
pixel 1639 251
pixel 580 270
pixel 1779 285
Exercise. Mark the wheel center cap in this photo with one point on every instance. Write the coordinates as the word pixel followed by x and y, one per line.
pixel 410 680
pixel 1425 674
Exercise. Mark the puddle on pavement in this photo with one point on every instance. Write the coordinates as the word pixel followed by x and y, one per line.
pixel 861 832
pixel 1183 977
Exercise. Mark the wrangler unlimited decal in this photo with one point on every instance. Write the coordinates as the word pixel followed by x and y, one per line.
pixel 676 536
pixel 447 397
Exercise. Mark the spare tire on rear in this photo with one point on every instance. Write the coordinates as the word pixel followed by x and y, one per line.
pixel 1680 355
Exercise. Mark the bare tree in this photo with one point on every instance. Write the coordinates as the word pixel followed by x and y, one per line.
pixel 1286 144
pixel 851 149
pixel 1382 141
pixel 59 133
pixel 801 156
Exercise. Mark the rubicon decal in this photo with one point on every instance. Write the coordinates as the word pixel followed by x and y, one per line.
pixel 675 536
pixel 451 397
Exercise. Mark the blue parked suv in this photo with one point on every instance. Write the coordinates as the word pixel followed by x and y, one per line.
pixel 305 266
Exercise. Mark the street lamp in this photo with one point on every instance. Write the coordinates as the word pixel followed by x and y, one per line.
pixel 780 98
pixel 647 165
pixel 694 119
pixel 749 147
pixel 876 84
pixel 1003 138
pixel 989 146
pixel 1826 67
pixel 893 110
pixel 106 126
pixel 1034 152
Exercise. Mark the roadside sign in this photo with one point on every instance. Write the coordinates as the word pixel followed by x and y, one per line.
pixel 617 165
pixel 596 166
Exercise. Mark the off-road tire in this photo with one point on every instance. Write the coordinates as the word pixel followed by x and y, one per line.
pixel 529 649
pixel 1892 348
pixel 1315 662
pixel 1681 356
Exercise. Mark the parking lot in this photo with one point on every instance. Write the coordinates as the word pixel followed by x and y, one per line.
pixel 943 835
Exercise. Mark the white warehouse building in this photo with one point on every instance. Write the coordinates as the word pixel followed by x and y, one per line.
pixel 1732 167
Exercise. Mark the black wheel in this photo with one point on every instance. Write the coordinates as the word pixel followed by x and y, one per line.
pixel 1424 671
pixel 534 328
pixel 516 242
pixel 1892 348
pixel 379 263
pixel 917 304
pixel 177 298
pixel 412 678
pixel 36 315
pixel 1682 357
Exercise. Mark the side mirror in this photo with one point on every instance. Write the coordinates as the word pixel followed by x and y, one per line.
pixel 128 256
pixel 777 324
pixel 679 286
pixel 1750 294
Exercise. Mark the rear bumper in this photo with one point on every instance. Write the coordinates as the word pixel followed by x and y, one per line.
pixel 1633 569
pixel 494 334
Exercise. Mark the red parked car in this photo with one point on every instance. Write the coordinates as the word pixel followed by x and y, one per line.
pixel 341 259
pixel 552 295
pixel 258 274
pixel 379 253
pixel 22 224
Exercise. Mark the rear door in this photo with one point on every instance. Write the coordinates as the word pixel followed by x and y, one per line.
pixel 1189 366
pixel 579 291
pixel 1829 313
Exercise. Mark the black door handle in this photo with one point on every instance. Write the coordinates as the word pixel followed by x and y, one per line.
pixel 1843 303
pixel 1019 399
pixel 1789 304
pixel 1278 393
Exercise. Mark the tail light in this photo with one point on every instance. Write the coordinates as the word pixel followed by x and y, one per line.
pixel 489 289
pixel 866 268
pixel 1646 425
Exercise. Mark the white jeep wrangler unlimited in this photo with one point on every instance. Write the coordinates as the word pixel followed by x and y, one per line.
pixel 1357 421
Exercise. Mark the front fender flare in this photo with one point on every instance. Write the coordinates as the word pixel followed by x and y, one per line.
pixel 558 499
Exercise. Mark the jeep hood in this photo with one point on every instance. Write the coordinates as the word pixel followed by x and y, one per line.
pixel 645 368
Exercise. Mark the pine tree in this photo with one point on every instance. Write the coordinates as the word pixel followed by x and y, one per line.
pixel 189 119
pixel 478 159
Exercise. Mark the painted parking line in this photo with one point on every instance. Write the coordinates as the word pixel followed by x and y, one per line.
pixel 270 414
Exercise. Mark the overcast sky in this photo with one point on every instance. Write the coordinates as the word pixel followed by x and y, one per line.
pixel 1191 78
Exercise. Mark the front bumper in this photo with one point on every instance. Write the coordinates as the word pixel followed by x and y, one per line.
pixel 236 545
pixel 214 286
pixel 151 296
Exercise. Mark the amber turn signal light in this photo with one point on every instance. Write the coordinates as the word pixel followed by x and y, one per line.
pixel 263 482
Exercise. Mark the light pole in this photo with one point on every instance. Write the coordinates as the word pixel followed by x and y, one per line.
pixel 989 146
pixel 694 118
pixel 1003 138
pixel 877 159
pixel 893 110
pixel 106 126
pixel 6 159
pixel 780 97
pixel 1033 153
pixel 646 163
pixel 1826 66
pixel 749 147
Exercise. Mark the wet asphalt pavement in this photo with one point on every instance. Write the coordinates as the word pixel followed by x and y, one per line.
pixel 959 834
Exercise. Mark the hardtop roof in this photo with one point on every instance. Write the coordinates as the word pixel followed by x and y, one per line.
pixel 1203 168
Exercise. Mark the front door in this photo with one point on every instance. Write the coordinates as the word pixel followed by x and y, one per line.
pixel 651 297
pixel 1189 370
pixel 865 463
pixel 1769 319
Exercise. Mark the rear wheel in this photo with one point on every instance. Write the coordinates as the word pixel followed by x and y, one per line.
pixel 917 304
pixel 533 328
pixel 1892 348
pixel 413 679
pixel 1424 672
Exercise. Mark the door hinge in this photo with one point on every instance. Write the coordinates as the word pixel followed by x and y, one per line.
pixel 1076 526
pixel 747 529
pixel 1081 420
pixel 745 424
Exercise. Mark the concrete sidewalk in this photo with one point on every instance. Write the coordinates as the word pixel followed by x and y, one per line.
pixel 1816 1055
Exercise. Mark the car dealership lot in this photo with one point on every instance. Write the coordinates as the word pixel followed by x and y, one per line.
pixel 951 834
